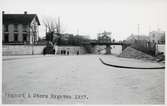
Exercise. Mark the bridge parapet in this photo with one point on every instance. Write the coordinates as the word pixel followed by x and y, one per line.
pixel 112 43
pixel 108 48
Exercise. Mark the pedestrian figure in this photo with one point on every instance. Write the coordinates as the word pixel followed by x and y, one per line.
pixel 61 52
pixel 77 52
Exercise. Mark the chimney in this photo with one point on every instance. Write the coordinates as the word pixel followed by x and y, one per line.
pixel 3 12
pixel 25 12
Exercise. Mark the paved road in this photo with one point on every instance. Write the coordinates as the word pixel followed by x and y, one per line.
pixel 63 79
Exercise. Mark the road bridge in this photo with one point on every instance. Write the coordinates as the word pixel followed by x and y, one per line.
pixel 108 45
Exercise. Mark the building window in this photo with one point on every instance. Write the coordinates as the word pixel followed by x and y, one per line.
pixel 15 28
pixel 35 27
pixel 24 28
pixel 24 37
pixel 6 28
pixel 15 37
pixel 6 38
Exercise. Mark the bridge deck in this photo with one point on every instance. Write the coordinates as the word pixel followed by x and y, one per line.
pixel 95 43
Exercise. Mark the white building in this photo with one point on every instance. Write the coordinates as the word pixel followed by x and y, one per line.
pixel 157 36
pixel 20 28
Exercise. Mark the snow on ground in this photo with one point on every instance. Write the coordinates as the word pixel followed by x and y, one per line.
pixel 80 75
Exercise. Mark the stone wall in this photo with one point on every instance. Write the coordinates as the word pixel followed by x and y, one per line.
pixel 60 50
pixel 116 49
pixel 21 49
pixel 38 49
pixel 70 50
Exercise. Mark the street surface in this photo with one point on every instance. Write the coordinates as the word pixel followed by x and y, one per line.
pixel 38 79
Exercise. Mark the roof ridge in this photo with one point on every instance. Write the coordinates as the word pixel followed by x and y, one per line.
pixel 19 14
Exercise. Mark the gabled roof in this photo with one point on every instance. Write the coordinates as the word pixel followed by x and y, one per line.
pixel 19 18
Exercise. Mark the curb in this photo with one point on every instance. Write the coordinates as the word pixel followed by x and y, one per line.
pixel 129 67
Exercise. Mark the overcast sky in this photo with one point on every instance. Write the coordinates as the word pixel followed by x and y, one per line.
pixel 89 17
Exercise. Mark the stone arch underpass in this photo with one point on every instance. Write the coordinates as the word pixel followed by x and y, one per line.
pixel 98 47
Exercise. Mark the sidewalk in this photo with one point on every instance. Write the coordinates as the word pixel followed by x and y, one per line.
pixel 20 57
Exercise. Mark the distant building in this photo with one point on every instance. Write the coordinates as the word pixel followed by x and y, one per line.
pixel 70 39
pixel 157 36
pixel 104 39
pixel 66 36
pixel 20 28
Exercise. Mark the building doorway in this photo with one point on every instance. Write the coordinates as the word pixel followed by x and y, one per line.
pixel 77 52
pixel 24 37
pixel 15 37
pixel 67 52
pixel 6 38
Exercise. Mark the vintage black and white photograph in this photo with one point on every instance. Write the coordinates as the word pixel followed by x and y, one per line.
pixel 83 51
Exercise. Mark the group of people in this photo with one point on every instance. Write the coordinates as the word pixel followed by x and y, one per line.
pixel 64 52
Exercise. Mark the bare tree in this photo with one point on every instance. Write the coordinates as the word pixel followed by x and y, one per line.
pixel 104 37
pixel 104 33
pixel 53 27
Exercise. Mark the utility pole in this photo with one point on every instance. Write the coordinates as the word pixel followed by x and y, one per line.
pixel 138 30
pixel 149 29
pixel 158 29
pixel 58 31
pixel 77 31
pixel 58 28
